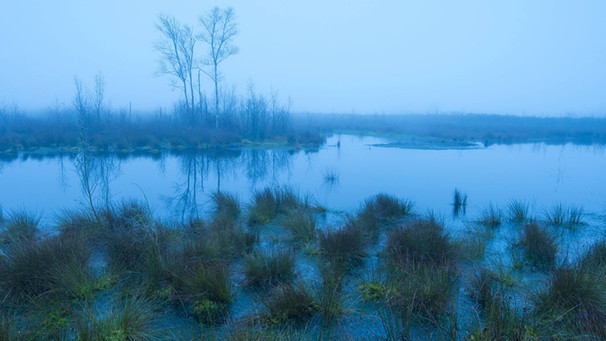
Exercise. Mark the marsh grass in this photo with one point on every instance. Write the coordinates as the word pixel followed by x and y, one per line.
pixel 473 244
pixel 269 203
pixel 302 225
pixel 540 247
pixel 459 203
pixel 575 300
pixel 500 319
pixel 491 216
pixel 206 289
pixel 343 248
pixel 415 295
pixel 129 318
pixel 83 225
pixel 566 216
pixel 389 208
pixel 420 241
pixel 292 303
pixel 225 207
pixel 19 227
pixel 595 259
pixel 269 268
pixel 51 267
pixel 518 211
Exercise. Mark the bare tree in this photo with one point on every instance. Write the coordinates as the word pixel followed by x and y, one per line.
pixel 176 48
pixel 219 29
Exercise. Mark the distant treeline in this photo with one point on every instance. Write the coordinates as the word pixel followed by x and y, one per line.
pixel 488 129
pixel 66 131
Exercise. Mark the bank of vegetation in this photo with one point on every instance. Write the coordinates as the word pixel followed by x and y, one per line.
pixel 277 268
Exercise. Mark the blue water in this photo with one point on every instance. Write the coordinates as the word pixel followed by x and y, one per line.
pixel 180 186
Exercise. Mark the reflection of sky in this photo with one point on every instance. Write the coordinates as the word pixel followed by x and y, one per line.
pixel 539 174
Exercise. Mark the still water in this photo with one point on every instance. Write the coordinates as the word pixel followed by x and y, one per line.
pixel 340 175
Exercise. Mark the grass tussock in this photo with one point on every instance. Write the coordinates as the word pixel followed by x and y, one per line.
pixel 500 319
pixel 19 227
pixel 575 302
pixel 342 248
pixel 292 303
pixel 539 246
pixel 263 269
pixel 53 267
pixel 129 318
pixel 301 224
pixel 226 207
pixel 420 242
pixel 492 216
pixel 269 203
pixel 518 211
pixel 566 216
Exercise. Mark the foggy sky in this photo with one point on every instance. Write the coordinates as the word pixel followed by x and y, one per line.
pixel 507 57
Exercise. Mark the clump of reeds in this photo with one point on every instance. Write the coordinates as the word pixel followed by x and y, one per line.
pixel 418 284
pixel 301 224
pixel 567 216
pixel 491 216
pixel 380 211
pixel 388 208
pixel 595 258
pixel 269 203
pixel 19 227
pixel 575 300
pixel 269 268
pixel 459 202
pixel 225 207
pixel 52 266
pixel 128 318
pixel 500 318
pixel 290 303
pixel 420 241
pixel 205 287
pixel 518 211
pixel 539 246
pixel 342 248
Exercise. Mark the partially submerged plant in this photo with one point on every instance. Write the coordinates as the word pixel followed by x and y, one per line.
pixel 459 203
pixel 491 216
pixel 301 224
pixel 518 211
pixel 574 300
pixel 567 216
pixel 19 227
pixel 290 303
pixel 540 247
pixel 343 247
pixel 420 241
pixel 269 268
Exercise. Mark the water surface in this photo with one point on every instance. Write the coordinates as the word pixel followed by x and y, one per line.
pixel 340 175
